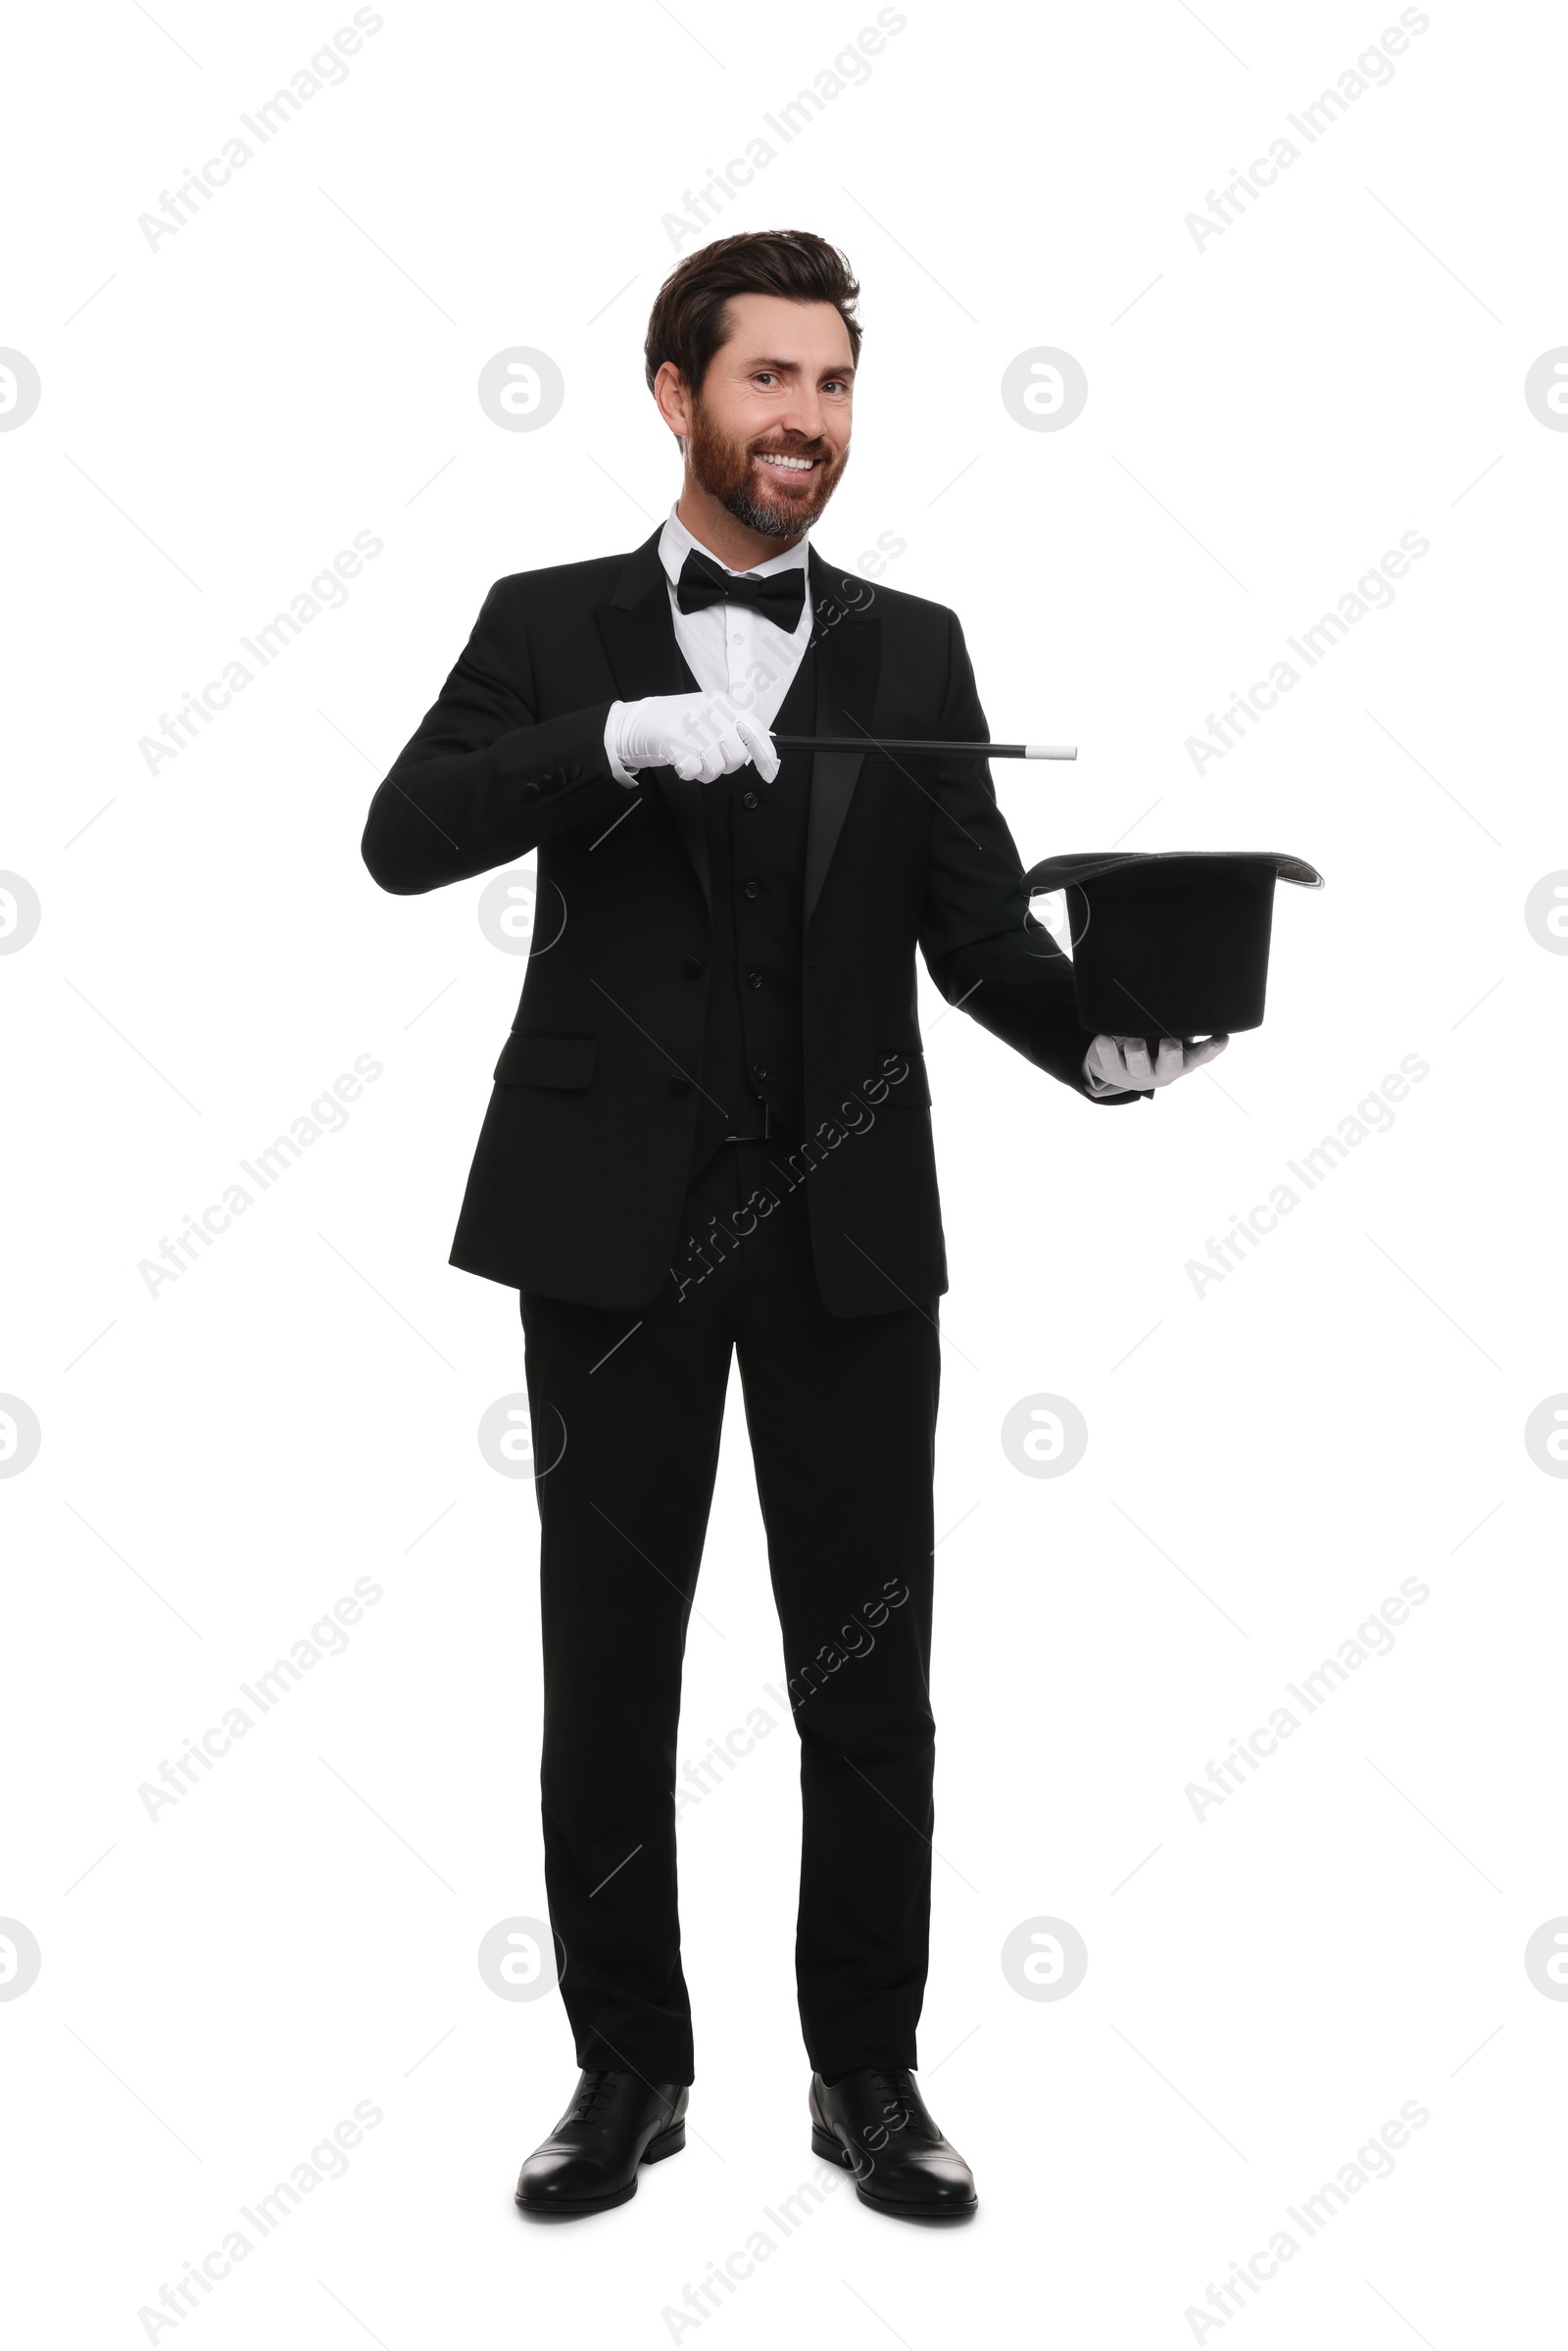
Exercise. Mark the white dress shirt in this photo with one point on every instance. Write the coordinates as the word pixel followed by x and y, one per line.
pixel 730 649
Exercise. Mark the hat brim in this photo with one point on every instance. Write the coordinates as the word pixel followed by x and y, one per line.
pixel 1056 873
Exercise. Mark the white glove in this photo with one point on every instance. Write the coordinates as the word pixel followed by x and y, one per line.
pixel 701 736
pixel 1121 1065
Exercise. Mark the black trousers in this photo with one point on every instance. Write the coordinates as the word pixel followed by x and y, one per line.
pixel 841 1418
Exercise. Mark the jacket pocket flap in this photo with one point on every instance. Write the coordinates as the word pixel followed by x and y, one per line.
pixel 527 1060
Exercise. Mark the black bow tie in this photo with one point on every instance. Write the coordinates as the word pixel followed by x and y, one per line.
pixel 781 598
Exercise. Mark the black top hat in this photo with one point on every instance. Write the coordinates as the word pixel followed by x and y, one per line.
pixel 1174 943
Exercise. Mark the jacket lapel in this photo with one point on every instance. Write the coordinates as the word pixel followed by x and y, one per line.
pixel 848 644
pixel 639 639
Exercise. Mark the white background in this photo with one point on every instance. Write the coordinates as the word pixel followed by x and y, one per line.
pixel 1266 1461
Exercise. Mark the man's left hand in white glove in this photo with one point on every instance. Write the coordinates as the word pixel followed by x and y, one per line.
pixel 1122 1065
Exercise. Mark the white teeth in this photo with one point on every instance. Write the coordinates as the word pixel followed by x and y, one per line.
pixel 801 464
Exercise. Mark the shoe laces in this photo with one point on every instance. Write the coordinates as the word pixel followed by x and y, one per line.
pixel 592 2090
pixel 899 2100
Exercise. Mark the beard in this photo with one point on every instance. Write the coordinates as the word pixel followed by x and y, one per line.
pixel 723 466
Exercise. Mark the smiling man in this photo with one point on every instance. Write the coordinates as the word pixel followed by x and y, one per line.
pixel 710 1135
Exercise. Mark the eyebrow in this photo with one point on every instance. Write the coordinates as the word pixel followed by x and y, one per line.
pixel 796 366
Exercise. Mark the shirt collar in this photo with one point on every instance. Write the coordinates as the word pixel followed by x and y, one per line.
pixel 675 544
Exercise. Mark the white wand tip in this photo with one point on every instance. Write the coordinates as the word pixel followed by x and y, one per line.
pixel 1051 750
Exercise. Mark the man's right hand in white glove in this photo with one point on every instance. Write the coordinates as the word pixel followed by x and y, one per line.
pixel 701 736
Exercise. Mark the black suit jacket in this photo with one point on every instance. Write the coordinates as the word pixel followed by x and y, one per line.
pixel 581 1167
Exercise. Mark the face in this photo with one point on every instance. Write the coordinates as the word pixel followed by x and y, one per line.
pixel 768 435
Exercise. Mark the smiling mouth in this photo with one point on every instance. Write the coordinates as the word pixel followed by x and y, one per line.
pixel 780 467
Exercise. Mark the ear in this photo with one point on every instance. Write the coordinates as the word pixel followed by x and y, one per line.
pixel 673 399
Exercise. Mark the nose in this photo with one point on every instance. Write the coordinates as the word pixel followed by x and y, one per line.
pixel 805 413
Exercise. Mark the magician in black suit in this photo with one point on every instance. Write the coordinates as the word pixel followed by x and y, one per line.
pixel 710 1130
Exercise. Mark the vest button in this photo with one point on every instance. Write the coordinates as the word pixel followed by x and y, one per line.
pixel 692 966
pixel 748 799
pixel 758 1071
pixel 680 1085
pixel 754 979
pixel 753 888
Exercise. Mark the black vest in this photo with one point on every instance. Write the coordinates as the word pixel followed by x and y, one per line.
pixel 752 1047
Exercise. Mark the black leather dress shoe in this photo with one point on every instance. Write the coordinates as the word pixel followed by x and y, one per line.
pixel 589 2162
pixel 875 2124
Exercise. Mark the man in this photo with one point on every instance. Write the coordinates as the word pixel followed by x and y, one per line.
pixel 709 1130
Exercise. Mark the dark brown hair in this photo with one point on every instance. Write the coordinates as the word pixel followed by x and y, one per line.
pixel 688 323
